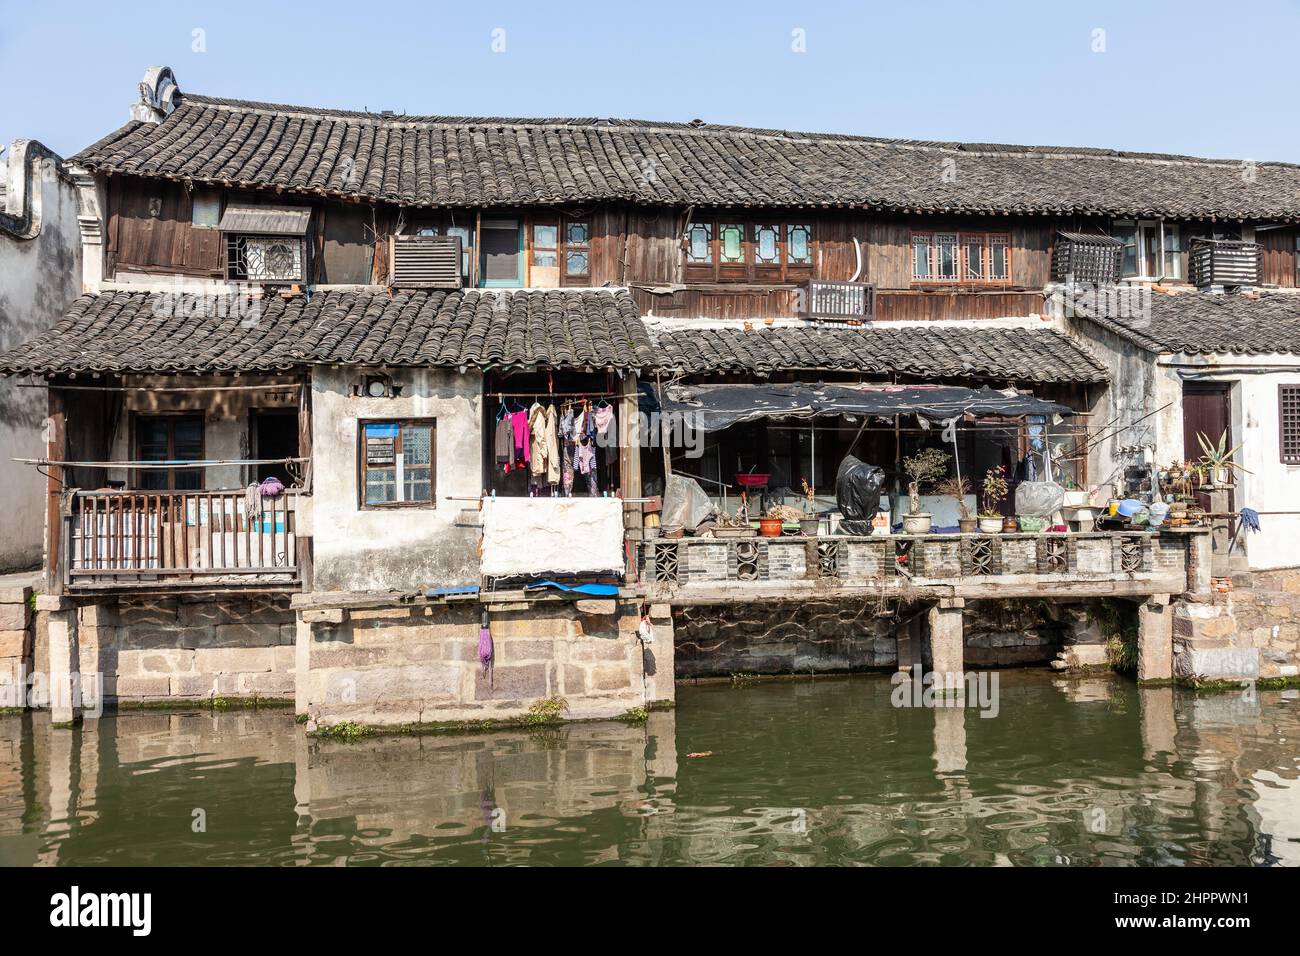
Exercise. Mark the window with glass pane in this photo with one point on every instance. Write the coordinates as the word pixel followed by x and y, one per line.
pixel 1173 267
pixel 945 256
pixel 731 241
pixel 699 243
pixel 466 248
pixel 767 248
pixel 546 244
pixel 798 244
pixel 397 463
pixel 169 438
pixel 998 258
pixel 577 242
pixel 920 257
pixel 973 253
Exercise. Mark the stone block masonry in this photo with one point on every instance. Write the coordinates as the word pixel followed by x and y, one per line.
pixel 17 634
pixel 401 666
pixel 187 648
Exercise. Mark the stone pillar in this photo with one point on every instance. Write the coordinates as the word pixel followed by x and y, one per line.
pixel 65 659
pixel 302 664
pixel 1220 542
pixel 1159 726
pixel 658 657
pixel 1198 562
pixel 1155 639
pixel 944 637
pixel 15 643
pixel 949 739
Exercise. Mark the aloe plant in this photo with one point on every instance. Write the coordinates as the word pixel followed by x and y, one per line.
pixel 1218 458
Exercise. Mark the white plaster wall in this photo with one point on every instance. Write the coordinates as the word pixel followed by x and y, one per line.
pixel 407 548
pixel 1139 418
pixel 225 419
pixel 39 278
pixel 1267 484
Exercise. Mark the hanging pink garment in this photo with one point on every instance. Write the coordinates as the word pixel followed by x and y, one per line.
pixel 519 422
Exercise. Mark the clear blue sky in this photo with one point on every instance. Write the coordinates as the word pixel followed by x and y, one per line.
pixel 997 71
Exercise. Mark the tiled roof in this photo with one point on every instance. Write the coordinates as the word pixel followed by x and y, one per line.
pixel 490 161
pixel 1037 355
pixel 142 331
pixel 1205 322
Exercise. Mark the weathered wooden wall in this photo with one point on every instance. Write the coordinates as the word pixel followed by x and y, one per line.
pixel 149 229
pixel 1277 265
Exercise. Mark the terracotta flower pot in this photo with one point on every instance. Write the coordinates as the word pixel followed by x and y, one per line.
pixel 769 527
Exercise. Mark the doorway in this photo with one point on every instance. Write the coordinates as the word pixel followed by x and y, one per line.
pixel 1207 410
pixel 275 435
pixel 502 242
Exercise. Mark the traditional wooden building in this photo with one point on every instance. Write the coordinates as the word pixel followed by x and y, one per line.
pixel 352 304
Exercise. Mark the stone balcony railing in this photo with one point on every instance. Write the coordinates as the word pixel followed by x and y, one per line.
pixel 709 570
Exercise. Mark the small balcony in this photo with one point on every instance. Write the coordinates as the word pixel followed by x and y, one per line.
pixel 146 540
pixel 837 301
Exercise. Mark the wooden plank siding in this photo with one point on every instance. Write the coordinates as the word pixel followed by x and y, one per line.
pixel 149 229
pixel 1277 258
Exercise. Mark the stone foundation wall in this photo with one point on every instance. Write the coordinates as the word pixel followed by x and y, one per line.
pixel 189 648
pixel 1250 631
pixel 396 666
pixel 846 636
pixel 805 638
pixel 1012 633
pixel 17 633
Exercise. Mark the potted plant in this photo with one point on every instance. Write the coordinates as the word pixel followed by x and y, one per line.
pixel 1216 460
pixel 994 489
pixel 809 522
pixel 959 488
pixel 925 466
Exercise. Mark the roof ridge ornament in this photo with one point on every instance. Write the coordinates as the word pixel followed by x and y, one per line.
pixel 159 92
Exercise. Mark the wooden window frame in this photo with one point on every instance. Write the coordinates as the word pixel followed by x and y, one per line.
pixel 363 466
pixel 137 450
pixel 748 269
pixel 1288 423
pixel 566 246
pixel 963 239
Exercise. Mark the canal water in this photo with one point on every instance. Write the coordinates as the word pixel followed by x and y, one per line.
pixel 1067 773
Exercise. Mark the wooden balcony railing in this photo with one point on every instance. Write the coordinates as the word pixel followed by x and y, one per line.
pixel 837 301
pixel 222 537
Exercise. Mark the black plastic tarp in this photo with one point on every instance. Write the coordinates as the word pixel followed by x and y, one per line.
pixel 715 407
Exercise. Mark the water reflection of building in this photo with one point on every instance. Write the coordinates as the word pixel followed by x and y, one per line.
pixel 1178 779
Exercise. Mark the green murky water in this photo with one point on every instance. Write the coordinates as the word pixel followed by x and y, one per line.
pixel 1069 773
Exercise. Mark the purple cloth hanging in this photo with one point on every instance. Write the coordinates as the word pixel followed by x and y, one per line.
pixel 486 652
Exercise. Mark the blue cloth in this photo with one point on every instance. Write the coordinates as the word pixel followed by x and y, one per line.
pixel 1250 519
pixel 600 590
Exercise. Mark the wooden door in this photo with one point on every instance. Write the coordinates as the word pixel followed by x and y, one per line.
pixel 1207 411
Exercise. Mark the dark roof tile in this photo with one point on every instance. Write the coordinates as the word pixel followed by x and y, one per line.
pixel 485 161
pixel 1204 322
pixel 143 332
pixel 1037 355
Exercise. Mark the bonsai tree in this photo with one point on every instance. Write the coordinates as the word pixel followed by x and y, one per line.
pixel 927 465
pixel 957 488
pixel 994 490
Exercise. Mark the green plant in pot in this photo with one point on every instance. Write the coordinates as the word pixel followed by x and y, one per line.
pixel 923 468
pixel 959 488
pixel 1217 459
pixel 993 491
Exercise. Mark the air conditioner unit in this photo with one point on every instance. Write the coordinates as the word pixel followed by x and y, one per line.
pixel 425 262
